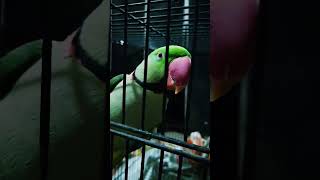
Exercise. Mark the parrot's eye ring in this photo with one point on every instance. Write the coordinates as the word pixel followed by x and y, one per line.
pixel 160 55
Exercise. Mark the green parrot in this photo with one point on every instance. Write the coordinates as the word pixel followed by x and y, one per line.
pixel 77 98
pixel 84 43
pixel 15 63
pixel 178 76
pixel 76 127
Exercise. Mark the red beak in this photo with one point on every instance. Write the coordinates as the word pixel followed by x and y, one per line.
pixel 179 74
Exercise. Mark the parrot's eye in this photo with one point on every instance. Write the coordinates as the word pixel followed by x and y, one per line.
pixel 160 56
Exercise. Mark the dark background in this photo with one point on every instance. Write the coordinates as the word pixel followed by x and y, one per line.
pixel 283 118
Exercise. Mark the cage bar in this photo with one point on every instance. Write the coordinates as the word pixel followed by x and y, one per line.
pixel 165 26
pixel 107 173
pixel 189 90
pixel 125 46
pixel 196 158
pixel 111 152
pixel 45 107
pixel 2 24
pixel 164 21
pixel 164 84
pixel 146 52
pixel 185 30
pixel 141 22
pixel 141 3
pixel 162 9
pixel 148 135
pixel 2 12
pixel 164 16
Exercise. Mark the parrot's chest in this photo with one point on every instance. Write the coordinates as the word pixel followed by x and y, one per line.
pixel 133 108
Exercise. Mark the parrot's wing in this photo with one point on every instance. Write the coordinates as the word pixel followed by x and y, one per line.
pixel 115 81
pixel 15 63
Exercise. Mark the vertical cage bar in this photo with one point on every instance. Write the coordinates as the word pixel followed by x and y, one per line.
pixel 164 102
pixel 211 155
pixel 2 11
pixel 161 164
pixel 2 24
pixel 180 168
pixel 146 52
pixel 111 152
pixel 189 88
pixel 210 122
pixel 109 138
pixel 125 46
pixel 243 117
pixel 45 107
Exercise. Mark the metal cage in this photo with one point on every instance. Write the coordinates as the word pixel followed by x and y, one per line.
pixel 154 23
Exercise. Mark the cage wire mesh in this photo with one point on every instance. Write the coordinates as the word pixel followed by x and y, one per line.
pixel 149 24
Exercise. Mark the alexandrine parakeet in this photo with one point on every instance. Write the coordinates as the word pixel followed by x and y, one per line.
pixel 85 44
pixel 77 111
pixel 15 63
pixel 76 126
pixel 178 76
pixel 77 98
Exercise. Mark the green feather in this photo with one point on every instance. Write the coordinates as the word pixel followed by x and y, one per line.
pixel 76 128
pixel 15 63
pixel 134 93
pixel 115 81
pixel 156 65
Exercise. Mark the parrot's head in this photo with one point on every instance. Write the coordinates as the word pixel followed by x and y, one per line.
pixel 179 61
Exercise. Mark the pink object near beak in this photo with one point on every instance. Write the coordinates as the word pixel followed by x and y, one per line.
pixel 179 74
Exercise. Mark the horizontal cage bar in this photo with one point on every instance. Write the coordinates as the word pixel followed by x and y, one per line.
pixel 140 21
pixel 140 3
pixel 160 137
pixel 196 158
pixel 164 16
pixel 161 9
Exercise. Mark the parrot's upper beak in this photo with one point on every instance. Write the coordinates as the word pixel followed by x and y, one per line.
pixel 179 74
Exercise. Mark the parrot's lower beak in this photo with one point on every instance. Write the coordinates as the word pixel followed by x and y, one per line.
pixel 178 74
pixel 171 85
pixel 178 89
